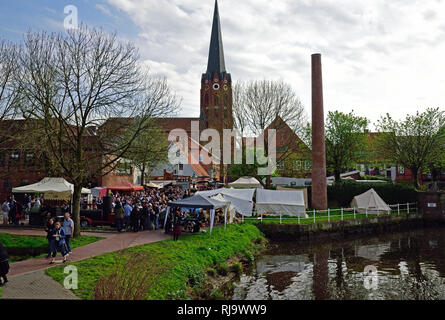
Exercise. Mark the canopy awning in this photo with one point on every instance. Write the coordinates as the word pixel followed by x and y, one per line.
pixel 53 188
pixel 153 185
pixel 198 201
pixel 246 182
pixel 241 199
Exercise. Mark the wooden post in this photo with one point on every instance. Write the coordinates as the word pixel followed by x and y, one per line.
pixel 329 215
pixel 341 214
pixel 407 206
pixel 354 214
pixel 314 216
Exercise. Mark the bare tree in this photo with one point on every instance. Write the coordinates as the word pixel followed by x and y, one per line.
pixel 8 94
pixel 262 105
pixel 84 91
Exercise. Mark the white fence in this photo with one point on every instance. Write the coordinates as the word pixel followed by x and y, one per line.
pixel 336 214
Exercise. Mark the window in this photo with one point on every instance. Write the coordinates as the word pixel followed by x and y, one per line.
pixel 298 165
pixel 181 167
pixel 14 159
pixel 178 154
pixel 307 165
pixel 401 170
pixel 124 169
pixel 29 159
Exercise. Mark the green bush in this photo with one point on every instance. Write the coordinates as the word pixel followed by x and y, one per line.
pixel 341 194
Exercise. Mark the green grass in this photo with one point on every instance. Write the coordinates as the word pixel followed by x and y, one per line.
pixel 185 260
pixel 320 217
pixel 37 244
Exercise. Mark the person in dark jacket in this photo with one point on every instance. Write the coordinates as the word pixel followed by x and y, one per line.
pixel 49 232
pixel 58 235
pixel 4 265
pixel 134 218
pixel 152 217
pixel 177 225
pixel 119 215
pixel 145 214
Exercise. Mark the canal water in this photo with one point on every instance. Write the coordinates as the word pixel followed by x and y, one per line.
pixel 398 266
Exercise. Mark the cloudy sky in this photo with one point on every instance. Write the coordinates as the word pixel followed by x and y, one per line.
pixel 378 56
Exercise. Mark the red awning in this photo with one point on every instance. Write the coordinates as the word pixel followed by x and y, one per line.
pixel 126 186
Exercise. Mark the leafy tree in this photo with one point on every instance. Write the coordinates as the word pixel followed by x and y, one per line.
pixel 149 149
pixel 345 140
pixel 417 142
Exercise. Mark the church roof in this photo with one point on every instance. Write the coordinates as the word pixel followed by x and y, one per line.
pixel 216 61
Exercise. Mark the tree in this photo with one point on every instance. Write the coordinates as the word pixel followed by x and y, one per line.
pixel 8 95
pixel 72 84
pixel 150 148
pixel 345 139
pixel 417 142
pixel 262 105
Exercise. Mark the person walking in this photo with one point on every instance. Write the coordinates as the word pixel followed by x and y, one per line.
pixel 127 215
pixel 68 228
pixel 49 232
pixel 58 234
pixel 4 265
pixel 177 226
pixel 119 215
pixel 5 212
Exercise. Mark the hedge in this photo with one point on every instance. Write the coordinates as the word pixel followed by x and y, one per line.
pixel 341 194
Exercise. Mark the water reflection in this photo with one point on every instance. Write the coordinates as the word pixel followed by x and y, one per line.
pixel 409 266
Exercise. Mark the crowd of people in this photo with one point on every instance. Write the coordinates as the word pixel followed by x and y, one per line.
pixel 143 210
pixel 12 211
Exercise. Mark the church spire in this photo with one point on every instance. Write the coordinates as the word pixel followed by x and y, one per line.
pixel 216 53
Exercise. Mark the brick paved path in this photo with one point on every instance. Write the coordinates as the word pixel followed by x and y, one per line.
pixel 28 275
pixel 35 285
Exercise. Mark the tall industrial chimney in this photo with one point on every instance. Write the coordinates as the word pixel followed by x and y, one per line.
pixel 319 191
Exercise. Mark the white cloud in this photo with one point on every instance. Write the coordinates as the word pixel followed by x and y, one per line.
pixel 380 56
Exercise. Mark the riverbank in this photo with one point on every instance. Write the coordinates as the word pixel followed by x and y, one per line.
pixel 167 269
pixel 339 230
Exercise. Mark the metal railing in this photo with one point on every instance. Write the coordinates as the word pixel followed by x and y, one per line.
pixel 334 214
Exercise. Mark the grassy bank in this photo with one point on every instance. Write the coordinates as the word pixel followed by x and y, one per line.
pixel 176 269
pixel 22 247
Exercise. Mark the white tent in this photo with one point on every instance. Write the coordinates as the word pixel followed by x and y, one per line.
pixel 241 199
pixel 231 210
pixel 53 188
pixel 198 201
pixel 246 182
pixel 370 202
pixel 281 202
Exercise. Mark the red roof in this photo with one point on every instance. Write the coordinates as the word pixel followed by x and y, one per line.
pixel 126 186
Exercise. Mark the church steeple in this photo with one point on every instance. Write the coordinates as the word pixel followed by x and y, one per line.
pixel 216 52
pixel 216 84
